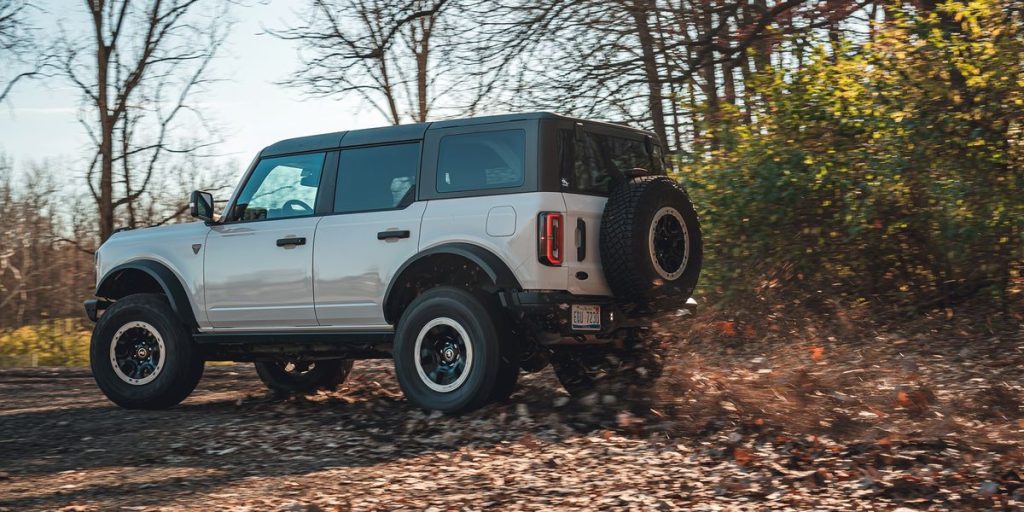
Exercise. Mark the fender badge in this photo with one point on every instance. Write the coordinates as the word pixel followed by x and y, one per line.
pixel 196 247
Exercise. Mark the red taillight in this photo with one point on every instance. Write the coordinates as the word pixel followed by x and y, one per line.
pixel 551 238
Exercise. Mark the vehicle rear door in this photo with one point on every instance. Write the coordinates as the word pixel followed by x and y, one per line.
pixel 373 228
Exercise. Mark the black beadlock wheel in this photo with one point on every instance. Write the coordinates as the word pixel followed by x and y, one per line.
pixel 303 377
pixel 142 356
pixel 452 353
pixel 651 245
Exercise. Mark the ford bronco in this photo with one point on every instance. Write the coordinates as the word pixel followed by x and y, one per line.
pixel 466 250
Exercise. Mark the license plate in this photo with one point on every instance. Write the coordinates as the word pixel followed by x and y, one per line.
pixel 586 317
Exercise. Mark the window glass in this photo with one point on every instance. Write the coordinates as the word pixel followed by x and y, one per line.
pixel 281 187
pixel 376 178
pixel 476 161
pixel 589 165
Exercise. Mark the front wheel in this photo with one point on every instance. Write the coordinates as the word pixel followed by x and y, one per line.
pixel 142 356
pixel 449 351
pixel 303 377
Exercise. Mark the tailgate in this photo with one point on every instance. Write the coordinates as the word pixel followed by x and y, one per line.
pixel 582 231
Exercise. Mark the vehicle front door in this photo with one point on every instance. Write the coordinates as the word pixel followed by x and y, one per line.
pixel 259 261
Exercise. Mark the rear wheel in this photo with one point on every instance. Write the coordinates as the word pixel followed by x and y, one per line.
pixel 142 356
pixel 304 377
pixel 450 355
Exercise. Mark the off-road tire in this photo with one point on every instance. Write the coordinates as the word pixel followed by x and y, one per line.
pixel 631 268
pixel 326 374
pixel 487 376
pixel 182 365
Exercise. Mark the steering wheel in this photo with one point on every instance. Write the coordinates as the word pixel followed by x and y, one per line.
pixel 297 205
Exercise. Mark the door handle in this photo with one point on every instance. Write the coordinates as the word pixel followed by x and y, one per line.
pixel 287 242
pixel 581 240
pixel 388 235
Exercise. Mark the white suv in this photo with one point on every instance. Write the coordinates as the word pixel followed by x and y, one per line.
pixel 467 250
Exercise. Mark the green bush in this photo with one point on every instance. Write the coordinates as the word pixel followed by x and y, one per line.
pixel 63 342
pixel 891 174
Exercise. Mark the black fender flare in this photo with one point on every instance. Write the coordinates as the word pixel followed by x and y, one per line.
pixel 499 273
pixel 168 281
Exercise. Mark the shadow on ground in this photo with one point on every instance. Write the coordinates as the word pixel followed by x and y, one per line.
pixel 56 423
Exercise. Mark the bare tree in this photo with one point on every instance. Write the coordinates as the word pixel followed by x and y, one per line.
pixel 139 73
pixel 19 62
pixel 36 269
pixel 635 60
pixel 386 52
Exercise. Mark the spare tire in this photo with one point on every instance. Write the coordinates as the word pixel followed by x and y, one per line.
pixel 651 246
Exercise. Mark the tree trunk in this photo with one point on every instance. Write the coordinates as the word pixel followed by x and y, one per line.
pixel 422 70
pixel 763 46
pixel 729 82
pixel 673 91
pixel 106 149
pixel 710 81
pixel 655 99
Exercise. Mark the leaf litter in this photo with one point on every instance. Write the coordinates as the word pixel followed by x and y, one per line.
pixel 742 417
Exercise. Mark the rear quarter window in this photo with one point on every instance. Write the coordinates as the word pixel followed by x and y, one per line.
pixel 590 164
pixel 479 161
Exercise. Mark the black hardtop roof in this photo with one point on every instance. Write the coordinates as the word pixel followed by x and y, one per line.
pixel 405 132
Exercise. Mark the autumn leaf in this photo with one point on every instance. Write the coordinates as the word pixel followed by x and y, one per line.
pixel 749 331
pixel 742 456
pixel 727 328
pixel 903 399
pixel 817 354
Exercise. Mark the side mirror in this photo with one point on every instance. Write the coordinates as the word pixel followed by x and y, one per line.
pixel 201 205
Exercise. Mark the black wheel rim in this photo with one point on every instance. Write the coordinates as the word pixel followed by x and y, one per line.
pixel 137 353
pixel 443 355
pixel 668 242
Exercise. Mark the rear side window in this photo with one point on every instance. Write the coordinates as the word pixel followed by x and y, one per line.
pixel 376 178
pixel 589 165
pixel 484 160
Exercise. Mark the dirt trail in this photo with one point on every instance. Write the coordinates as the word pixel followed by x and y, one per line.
pixel 739 426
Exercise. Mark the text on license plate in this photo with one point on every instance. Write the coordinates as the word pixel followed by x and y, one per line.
pixel 586 317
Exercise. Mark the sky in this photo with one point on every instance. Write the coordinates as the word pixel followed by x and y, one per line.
pixel 40 120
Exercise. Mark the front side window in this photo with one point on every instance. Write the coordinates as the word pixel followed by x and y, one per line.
pixel 281 187
pixel 483 160
pixel 376 178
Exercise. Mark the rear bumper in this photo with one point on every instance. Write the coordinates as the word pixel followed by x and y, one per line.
pixel 551 312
